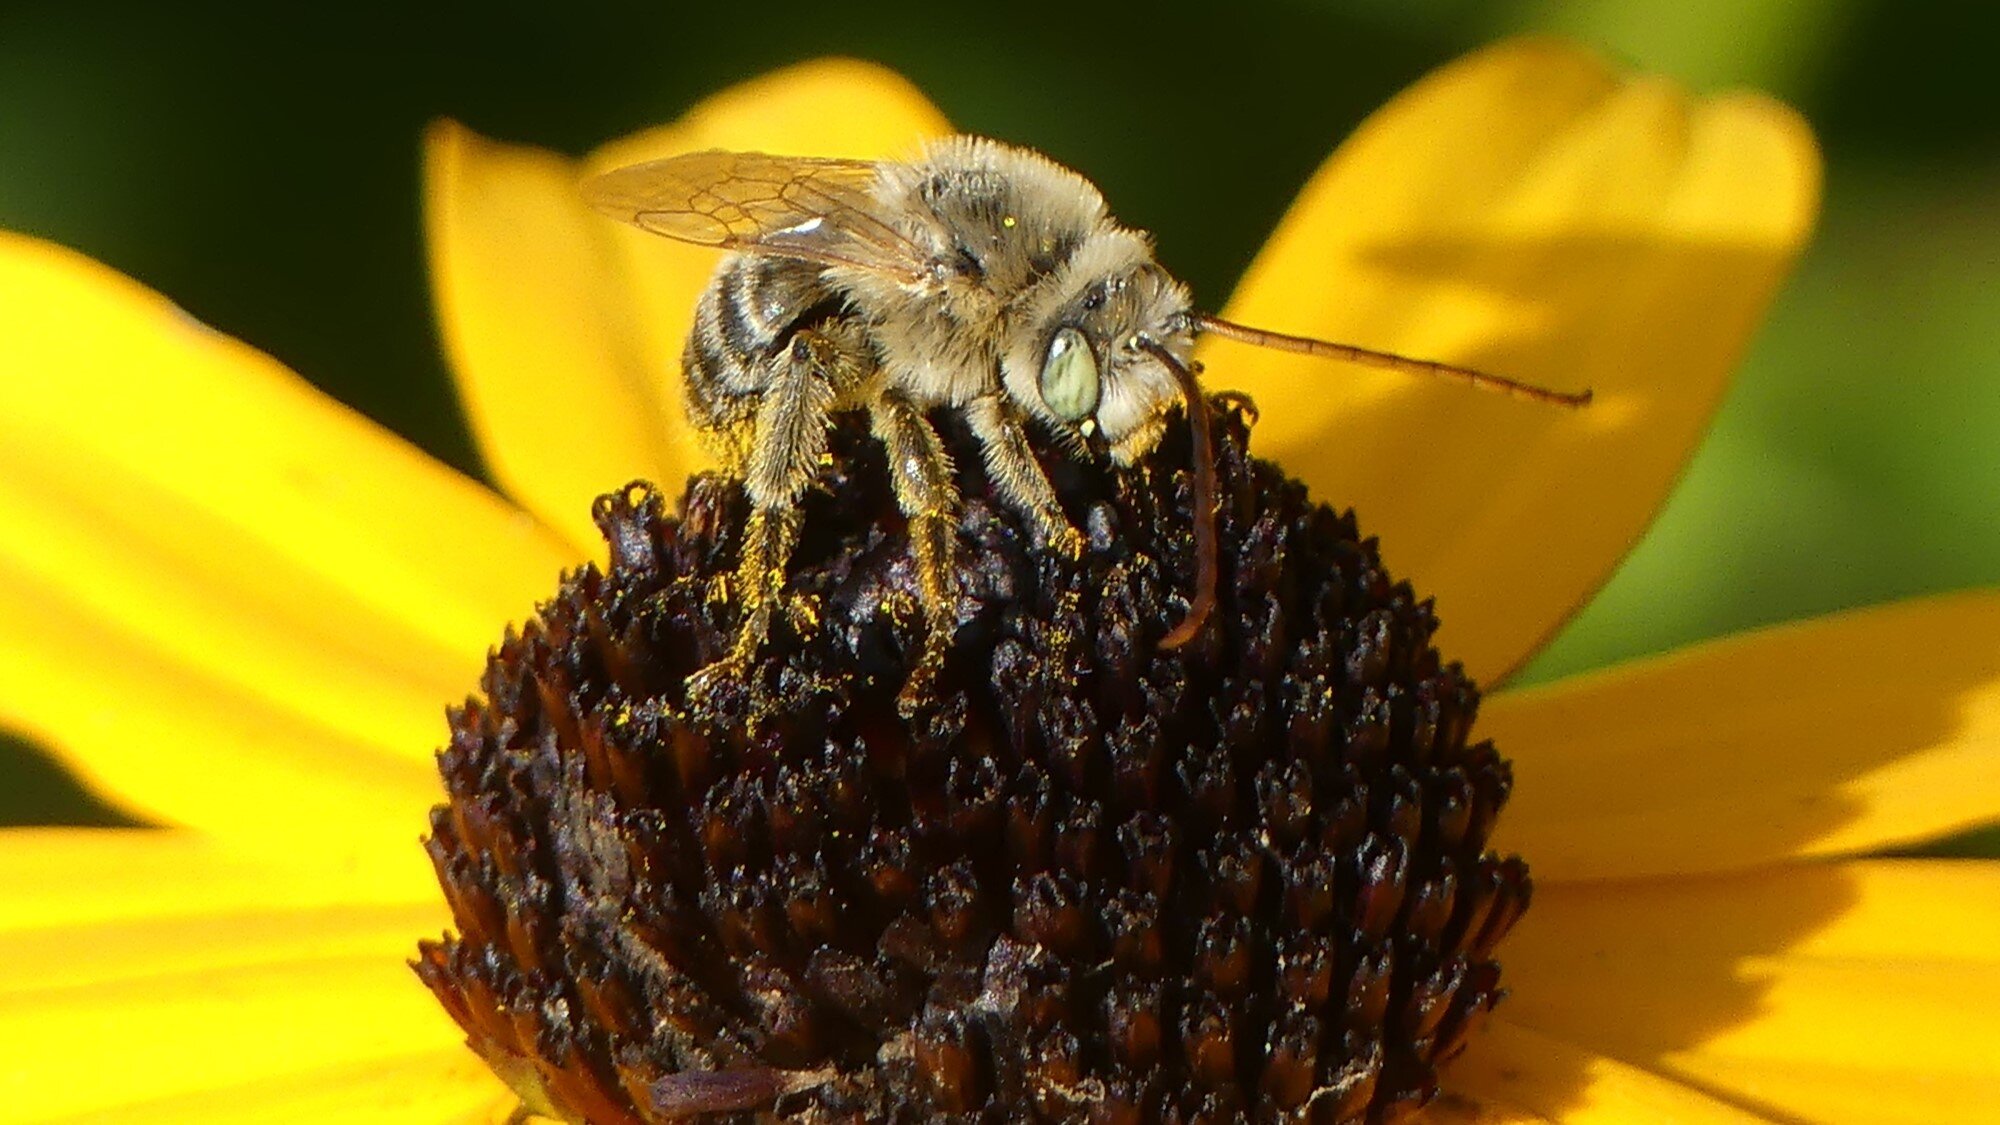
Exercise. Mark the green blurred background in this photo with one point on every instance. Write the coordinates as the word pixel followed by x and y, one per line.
pixel 260 166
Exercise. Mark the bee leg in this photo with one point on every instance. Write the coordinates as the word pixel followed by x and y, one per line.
pixel 1011 465
pixel 768 538
pixel 921 472
pixel 790 439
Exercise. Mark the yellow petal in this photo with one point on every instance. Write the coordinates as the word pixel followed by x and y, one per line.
pixel 188 529
pixel 450 1087
pixel 182 747
pixel 137 1013
pixel 53 878
pixel 210 462
pixel 188 588
pixel 828 107
pixel 1845 734
pixel 84 911
pixel 1514 1076
pixel 539 330
pixel 1854 992
pixel 1839 1091
pixel 75 958
pixel 1529 212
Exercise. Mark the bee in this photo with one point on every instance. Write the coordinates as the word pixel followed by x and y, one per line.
pixel 979 278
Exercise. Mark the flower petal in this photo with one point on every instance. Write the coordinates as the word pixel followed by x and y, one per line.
pixel 213 463
pixel 1512 1076
pixel 207 565
pixel 1529 212
pixel 1856 992
pixel 1845 734
pixel 827 107
pixel 92 955
pixel 56 878
pixel 539 330
pixel 185 748
pixel 84 913
pixel 450 1087
pixel 118 1015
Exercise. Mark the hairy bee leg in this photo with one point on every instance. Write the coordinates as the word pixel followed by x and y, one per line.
pixel 1011 464
pixel 921 472
pixel 768 538
pixel 790 438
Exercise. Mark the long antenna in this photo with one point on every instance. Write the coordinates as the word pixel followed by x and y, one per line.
pixel 1203 602
pixel 1326 349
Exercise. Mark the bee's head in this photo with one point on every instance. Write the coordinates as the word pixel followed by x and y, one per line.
pixel 1074 355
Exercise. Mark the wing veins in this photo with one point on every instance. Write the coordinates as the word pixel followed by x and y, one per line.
pixel 815 209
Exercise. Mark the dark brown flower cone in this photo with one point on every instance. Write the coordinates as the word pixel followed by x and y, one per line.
pixel 1245 880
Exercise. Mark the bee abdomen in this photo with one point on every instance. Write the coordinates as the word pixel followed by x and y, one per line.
pixel 749 311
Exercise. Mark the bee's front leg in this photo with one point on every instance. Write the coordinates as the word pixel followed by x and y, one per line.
pixel 789 440
pixel 921 472
pixel 1011 465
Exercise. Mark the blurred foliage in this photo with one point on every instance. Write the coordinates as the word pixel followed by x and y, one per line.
pixel 258 162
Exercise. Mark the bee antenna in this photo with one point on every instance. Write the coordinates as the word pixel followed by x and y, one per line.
pixel 1326 349
pixel 1203 602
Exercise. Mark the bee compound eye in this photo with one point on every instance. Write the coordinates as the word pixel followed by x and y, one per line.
pixel 1069 383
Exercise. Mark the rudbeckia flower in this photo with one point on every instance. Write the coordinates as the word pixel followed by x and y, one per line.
pixel 234 608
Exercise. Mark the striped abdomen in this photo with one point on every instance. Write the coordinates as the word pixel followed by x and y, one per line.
pixel 745 317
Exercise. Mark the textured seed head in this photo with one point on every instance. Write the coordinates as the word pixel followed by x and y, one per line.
pixel 1095 881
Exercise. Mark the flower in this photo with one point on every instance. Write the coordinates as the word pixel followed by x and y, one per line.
pixel 234 607
pixel 1077 870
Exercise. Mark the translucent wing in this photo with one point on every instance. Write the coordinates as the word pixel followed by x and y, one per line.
pixel 816 209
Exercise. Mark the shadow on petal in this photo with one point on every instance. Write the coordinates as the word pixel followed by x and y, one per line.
pixel 1845 734
pixel 1530 211
pixel 1516 1076
pixel 1759 987
pixel 1583 1036
pixel 1660 805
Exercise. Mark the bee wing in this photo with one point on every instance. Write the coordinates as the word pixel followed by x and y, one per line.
pixel 813 208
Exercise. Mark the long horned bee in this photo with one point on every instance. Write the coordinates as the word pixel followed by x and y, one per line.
pixel 977 277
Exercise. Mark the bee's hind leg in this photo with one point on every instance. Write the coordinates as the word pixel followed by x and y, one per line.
pixel 921 472
pixel 789 441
